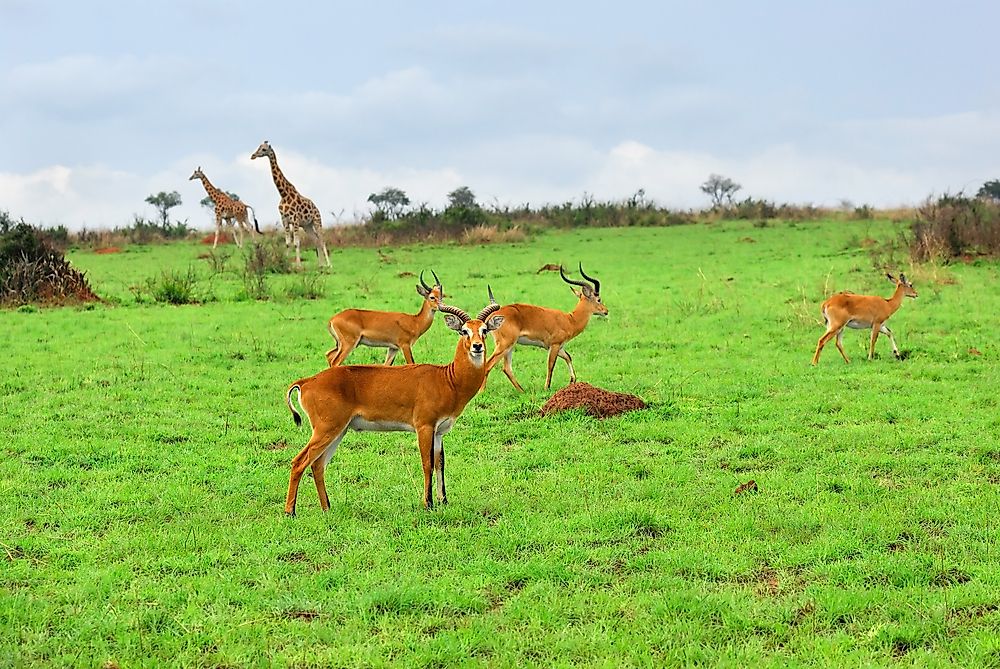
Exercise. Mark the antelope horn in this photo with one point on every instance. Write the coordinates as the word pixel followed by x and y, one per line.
pixel 454 311
pixel 422 283
pixel 569 280
pixel 437 281
pixel 597 284
pixel 490 308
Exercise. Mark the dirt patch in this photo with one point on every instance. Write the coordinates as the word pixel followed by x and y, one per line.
pixel 549 267
pixel 749 486
pixel 276 445
pixel 224 238
pixel 107 249
pixel 595 401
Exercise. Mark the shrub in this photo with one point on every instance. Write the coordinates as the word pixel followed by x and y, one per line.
pixel 307 287
pixel 486 234
pixel 267 257
pixel 955 226
pixel 171 287
pixel 32 269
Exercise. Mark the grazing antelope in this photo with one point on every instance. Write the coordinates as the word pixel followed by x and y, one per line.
pixel 388 329
pixel 546 328
pixel 861 312
pixel 426 399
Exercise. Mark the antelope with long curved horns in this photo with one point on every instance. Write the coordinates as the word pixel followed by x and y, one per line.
pixel 530 325
pixel 384 329
pixel 426 399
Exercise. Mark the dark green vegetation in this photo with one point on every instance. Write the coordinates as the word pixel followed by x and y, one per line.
pixel 146 450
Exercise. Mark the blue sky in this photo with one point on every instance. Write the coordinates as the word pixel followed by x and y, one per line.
pixel 874 102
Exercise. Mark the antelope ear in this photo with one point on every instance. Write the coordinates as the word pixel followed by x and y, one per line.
pixel 576 292
pixel 454 322
pixel 493 322
pixel 890 277
pixel 423 291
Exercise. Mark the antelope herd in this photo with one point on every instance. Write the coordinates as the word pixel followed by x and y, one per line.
pixel 425 398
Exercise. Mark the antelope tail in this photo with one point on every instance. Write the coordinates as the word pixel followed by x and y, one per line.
pixel 288 400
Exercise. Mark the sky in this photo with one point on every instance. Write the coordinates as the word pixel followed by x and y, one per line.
pixel 104 103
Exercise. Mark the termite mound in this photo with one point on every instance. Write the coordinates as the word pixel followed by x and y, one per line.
pixel 597 402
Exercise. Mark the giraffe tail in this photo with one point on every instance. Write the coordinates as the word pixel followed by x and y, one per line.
pixel 255 224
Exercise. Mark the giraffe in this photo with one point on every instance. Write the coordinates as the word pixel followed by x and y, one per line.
pixel 233 212
pixel 298 213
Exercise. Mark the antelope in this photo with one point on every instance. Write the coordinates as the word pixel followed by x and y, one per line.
pixel 546 328
pixel 426 399
pixel 392 330
pixel 861 312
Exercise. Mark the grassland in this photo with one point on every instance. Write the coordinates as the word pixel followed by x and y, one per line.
pixel 146 451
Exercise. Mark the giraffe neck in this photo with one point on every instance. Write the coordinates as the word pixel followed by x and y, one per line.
pixel 284 186
pixel 212 191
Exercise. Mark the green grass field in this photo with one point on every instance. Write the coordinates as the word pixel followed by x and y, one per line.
pixel 146 453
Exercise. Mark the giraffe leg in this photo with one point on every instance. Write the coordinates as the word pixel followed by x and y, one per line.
pixel 218 227
pixel 298 246
pixel 319 240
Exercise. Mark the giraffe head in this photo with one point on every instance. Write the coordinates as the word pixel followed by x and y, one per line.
pixel 263 151
pixel 198 174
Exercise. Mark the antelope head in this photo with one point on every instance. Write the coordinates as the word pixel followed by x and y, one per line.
pixel 589 292
pixel 433 294
pixel 908 289
pixel 198 174
pixel 263 151
pixel 472 330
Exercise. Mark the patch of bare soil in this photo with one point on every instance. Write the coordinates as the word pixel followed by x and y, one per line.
pixel 224 238
pixel 595 401
pixel 107 249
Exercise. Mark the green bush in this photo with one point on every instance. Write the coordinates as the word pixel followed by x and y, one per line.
pixel 173 287
pixel 32 269
pixel 954 226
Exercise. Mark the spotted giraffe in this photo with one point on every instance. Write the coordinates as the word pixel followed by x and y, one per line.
pixel 298 213
pixel 233 212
